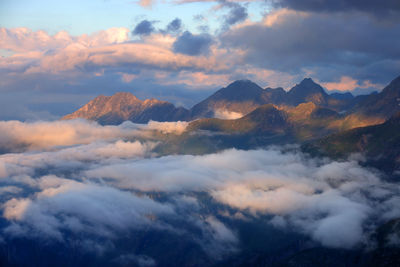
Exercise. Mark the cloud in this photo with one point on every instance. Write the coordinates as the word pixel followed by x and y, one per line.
pixel 347 83
pixel 227 115
pixel 109 51
pixel 313 198
pixel 289 40
pixel 25 40
pixel 174 26
pixel 146 3
pixel 71 191
pixel 141 260
pixel 173 66
pixel 381 8
pixel 194 1
pixel 237 13
pixel 46 135
pixel 192 44
pixel 177 127
pixel 87 208
pixel 295 40
pixel 144 27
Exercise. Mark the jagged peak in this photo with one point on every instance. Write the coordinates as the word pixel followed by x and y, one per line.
pixel 393 85
pixel 307 81
pixel 308 85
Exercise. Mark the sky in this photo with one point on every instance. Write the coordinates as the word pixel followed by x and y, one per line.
pixel 57 55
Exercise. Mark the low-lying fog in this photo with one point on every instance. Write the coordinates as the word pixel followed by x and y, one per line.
pixel 78 180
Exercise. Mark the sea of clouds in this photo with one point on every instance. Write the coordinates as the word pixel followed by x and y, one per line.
pixel 77 177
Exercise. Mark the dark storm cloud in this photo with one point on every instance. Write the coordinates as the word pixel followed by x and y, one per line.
pixel 144 27
pixel 237 13
pixel 293 40
pixel 174 26
pixel 192 44
pixel 382 7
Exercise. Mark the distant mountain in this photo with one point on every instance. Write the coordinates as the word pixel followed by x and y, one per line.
pixel 342 96
pixel 120 107
pixel 264 119
pixel 384 104
pixel 266 125
pixel 244 96
pixel 274 95
pixel 240 96
pixel 307 91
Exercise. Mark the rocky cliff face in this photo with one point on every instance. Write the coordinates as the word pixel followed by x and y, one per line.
pixel 125 106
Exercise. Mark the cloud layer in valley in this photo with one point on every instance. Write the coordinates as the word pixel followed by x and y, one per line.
pixel 76 189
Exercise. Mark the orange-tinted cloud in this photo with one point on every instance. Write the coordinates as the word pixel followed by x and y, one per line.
pixel 347 83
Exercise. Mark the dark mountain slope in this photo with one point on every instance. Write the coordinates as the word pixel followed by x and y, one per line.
pixel 266 125
pixel 125 106
pixel 240 96
pixel 342 96
pixel 244 96
pixel 379 143
pixel 307 91
pixel 384 104
pixel 266 118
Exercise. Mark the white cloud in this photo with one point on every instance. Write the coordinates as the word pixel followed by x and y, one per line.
pixel 227 115
pixel 77 188
pixel 18 135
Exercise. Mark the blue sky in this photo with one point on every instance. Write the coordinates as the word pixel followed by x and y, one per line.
pixel 80 17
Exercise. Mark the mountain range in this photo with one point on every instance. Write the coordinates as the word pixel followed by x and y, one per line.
pixel 124 106
pixel 333 125
pixel 320 124
pixel 241 97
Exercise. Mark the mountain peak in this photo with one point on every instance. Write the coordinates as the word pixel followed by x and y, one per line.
pixel 124 95
pixel 393 85
pixel 240 96
pixel 307 91
pixel 125 106
pixel 240 90
pixel 307 80
pixel 243 84
pixel 242 81
pixel 310 84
